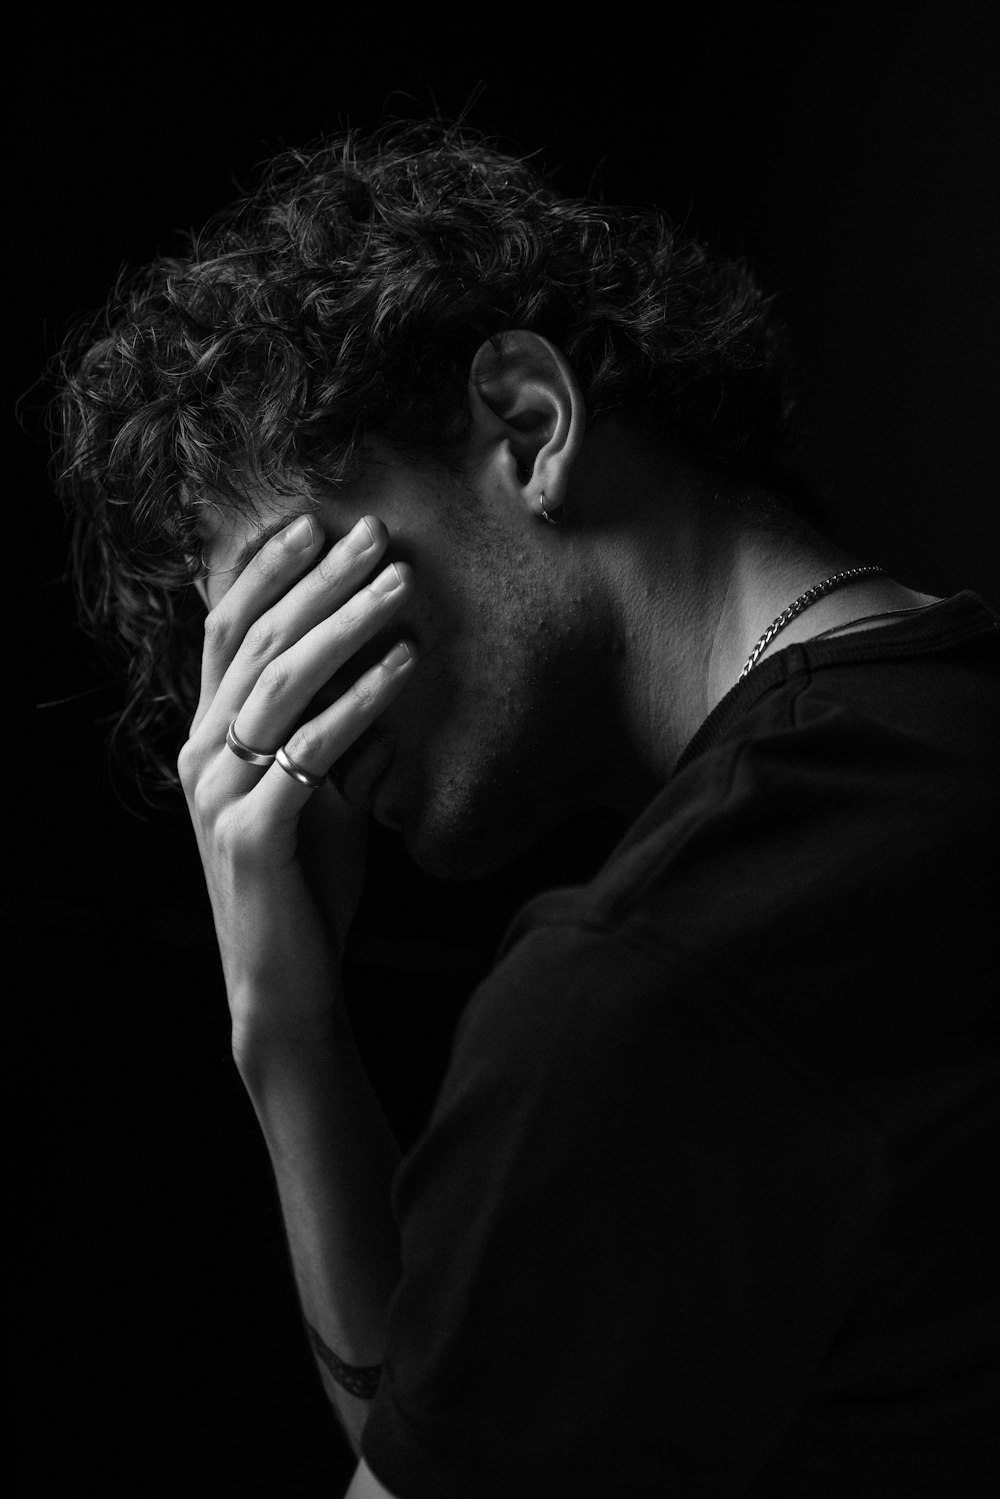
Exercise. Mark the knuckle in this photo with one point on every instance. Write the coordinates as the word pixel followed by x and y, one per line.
pixel 185 764
pixel 233 832
pixel 261 639
pixel 330 566
pixel 306 746
pixel 365 691
pixel 203 801
pixel 190 761
pixel 274 679
pixel 218 629
pixel 197 781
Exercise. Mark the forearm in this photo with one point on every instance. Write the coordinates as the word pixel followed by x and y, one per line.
pixel 277 633
pixel 334 1157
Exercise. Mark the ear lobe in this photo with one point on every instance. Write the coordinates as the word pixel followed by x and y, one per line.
pixel 528 415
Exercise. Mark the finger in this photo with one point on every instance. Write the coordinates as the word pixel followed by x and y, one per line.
pixel 256 727
pixel 266 608
pixel 283 691
pixel 251 760
pixel 268 574
pixel 336 576
pixel 316 746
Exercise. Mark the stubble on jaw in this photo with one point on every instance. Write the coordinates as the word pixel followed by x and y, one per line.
pixel 506 761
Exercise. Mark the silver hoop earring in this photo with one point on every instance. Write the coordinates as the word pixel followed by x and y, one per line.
pixel 554 516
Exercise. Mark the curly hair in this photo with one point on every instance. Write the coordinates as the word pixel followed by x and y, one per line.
pixel 346 297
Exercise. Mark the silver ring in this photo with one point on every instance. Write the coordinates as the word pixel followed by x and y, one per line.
pixel 243 751
pixel 304 777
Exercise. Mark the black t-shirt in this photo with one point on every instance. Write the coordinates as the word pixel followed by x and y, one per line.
pixel 708 1203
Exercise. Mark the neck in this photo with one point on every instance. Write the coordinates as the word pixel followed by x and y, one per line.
pixel 696 594
pixel 761 573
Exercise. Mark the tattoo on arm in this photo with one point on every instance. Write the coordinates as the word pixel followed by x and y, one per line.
pixel 362 1382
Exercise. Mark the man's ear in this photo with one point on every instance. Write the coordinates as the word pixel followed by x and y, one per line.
pixel 528 418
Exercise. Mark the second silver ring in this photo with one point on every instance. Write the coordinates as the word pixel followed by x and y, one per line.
pixel 297 773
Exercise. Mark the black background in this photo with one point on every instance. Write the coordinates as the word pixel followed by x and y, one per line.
pixel 851 154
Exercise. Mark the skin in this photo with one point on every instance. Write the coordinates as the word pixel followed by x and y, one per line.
pixel 560 668
pixel 543 670
pixel 493 646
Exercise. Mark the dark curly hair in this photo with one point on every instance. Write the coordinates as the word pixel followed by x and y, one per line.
pixel 345 297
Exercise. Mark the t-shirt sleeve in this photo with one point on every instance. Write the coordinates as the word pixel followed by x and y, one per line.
pixel 633 1226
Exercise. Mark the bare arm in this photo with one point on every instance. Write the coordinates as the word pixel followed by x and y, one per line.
pixel 365 1485
pixel 333 1158
pixel 272 641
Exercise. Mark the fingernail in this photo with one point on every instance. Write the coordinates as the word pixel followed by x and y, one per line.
pixel 299 534
pixel 398 656
pixel 361 536
pixel 387 580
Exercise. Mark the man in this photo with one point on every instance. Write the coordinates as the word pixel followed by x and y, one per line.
pixel 482 491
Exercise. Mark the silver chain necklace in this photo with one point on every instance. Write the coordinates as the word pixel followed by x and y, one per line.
pixel 817 591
